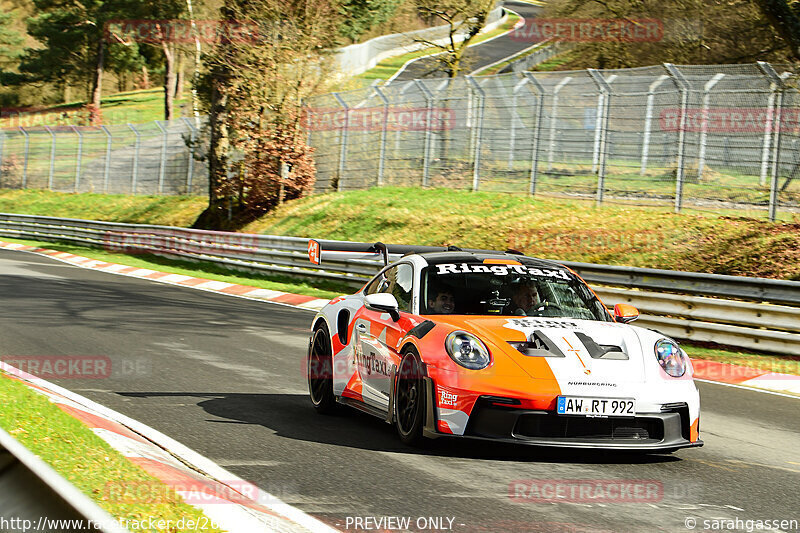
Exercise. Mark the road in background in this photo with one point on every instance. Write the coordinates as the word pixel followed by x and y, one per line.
pixel 480 55
pixel 224 376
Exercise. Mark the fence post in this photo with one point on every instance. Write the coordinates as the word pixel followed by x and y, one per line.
pixel 78 159
pixel 52 157
pixel 190 161
pixel 514 117
pixel 163 160
pixel 27 152
pixel 601 122
pixel 553 115
pixel 599 133
pixel 476 167
pixel 382 154
pixel 537 130
pixel 426 149
pixel 683 88
pixel 108 158
pixel 770 73
pixel 648 121
pixel 343 148
pixel 779 84
pixel 2 146
pixel 135 171
pixel 701 157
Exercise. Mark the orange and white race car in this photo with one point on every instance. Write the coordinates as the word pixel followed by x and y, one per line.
pixel 500 346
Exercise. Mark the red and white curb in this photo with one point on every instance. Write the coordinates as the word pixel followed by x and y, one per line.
pixel 296 300
pixel 228 501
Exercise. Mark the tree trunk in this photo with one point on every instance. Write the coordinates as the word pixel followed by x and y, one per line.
pixel 97 84
pixel 169 79
pixel 145 78
pixel 179 80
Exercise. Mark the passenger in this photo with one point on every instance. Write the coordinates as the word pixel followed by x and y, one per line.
pixel 524 300
pixel 444 303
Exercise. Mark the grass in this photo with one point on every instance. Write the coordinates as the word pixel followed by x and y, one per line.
pixel 120 108
pixel 782 364
pixel 83 458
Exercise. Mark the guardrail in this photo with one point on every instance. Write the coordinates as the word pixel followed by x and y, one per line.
pixel 36 497
pixel 754 313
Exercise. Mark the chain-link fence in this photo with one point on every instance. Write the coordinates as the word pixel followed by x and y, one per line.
pixel 719 137
pixel 153 158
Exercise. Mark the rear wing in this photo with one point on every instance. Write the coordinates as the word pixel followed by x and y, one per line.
pixel 319 250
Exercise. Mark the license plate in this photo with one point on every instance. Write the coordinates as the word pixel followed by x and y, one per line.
pixel 602 407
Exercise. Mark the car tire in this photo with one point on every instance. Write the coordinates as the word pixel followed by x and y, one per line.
pixel 410 402
pixel 320 372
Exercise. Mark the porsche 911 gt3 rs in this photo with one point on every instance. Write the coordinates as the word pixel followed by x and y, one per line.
pixel 492 345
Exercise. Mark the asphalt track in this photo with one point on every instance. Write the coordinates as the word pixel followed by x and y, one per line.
pixel 480 55
pixel 223 376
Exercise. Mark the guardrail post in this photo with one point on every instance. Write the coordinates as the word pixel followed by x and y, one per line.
pixel 601 129
pixel 385 125
pixel 27 153
pixel 701 157
pixel 537 130
pixel 778 82
pixel 683 88
pixel 343 138
pixel 135 171
pixel 163 160
pixel 553 116
pixel 52 157
pixel 476 166
pixel 648 120
pixel 108 158
pixel 190 161
pixel 78 159
pixel 426 149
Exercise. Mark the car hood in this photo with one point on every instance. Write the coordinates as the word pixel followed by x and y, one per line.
pixel 577 352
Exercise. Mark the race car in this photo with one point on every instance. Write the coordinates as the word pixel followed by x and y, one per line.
pixel 480 344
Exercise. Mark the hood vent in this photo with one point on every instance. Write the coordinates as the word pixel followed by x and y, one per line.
pixel 538 345
pixel 601 351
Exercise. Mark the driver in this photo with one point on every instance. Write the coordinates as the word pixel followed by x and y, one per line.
pixel 524 300
pixel 443 303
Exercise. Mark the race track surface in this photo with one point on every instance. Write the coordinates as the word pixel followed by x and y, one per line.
pixel 480 55
pixel 224 376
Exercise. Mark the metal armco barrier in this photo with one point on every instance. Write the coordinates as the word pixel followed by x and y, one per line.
pixel 755 313
pixel 34 497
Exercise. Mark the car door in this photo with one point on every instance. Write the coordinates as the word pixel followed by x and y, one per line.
pixel 378 335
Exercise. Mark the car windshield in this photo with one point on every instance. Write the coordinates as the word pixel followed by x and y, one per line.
pixel 475 288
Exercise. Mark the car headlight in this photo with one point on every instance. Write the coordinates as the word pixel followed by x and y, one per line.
pixel 671 358
pixel 467 350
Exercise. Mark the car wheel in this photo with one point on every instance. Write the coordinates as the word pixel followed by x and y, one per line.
pixel 409 403
pixel 320 372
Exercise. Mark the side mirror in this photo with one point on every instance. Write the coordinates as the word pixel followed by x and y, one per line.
pixel 625 313
pixel 383 302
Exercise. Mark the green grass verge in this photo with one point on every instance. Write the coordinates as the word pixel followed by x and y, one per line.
pixel 84 459
pixel 120 108
pixel 782 364
pixel 202 269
